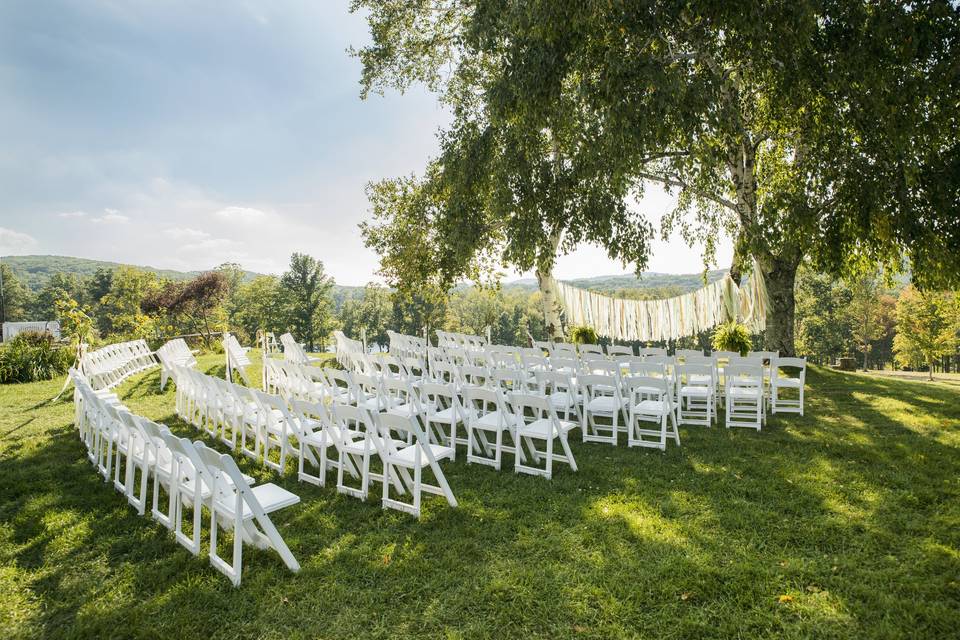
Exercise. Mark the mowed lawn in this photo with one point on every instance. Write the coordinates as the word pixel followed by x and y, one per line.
pixel 841 524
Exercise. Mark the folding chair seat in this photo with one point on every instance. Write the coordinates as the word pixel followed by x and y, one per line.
pixel 442 413
pixel 650 400
pixel 243 509
pixel 779 383
pixel 744 395
pixel 602 398
pixel 542 424
pixel 416 456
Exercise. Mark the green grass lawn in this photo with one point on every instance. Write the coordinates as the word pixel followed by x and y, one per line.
pixel 841 524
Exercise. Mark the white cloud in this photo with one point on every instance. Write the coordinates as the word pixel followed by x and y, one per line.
pixel 208 244
pixel 111 216
pixel 72 214
pixel 185 233
pixel 240 213
pixel 13 242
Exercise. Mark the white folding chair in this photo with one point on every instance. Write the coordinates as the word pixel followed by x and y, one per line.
pixel 696 394
pixel 779 383
pixel 541 424
pixel 602 398
pixel 237 506
pixel 487 413
pixel 650 400
pixel 442 413
pixel 316 423
pixel 416 456
pixel 744 395
pixel 358 443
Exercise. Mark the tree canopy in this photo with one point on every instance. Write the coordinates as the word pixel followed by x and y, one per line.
pixel 821 129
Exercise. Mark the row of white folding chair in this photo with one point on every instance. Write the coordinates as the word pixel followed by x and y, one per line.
pixel 460 340
pixel 294 351
pixel 108 366
pixel 595 388
pixel 292 380
pixel 443 404
pixel 258 422
pixel 356 438
pixel 192 475
pixel 237 359
pixel 174 353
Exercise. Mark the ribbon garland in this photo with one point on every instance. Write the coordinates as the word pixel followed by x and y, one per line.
pixel 670 318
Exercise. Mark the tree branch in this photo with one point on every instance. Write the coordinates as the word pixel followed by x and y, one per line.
pixel 676 181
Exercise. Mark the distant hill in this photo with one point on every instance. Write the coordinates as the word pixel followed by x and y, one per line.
pixel 34 271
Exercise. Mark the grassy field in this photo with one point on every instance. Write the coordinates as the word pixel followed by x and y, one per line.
pixel 841 524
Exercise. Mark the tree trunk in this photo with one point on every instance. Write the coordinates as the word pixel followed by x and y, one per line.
pixel 551 297
pixel 866 346
pixel 780 275
pixel 551 304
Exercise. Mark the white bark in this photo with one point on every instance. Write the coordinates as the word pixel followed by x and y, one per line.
pixel 550 296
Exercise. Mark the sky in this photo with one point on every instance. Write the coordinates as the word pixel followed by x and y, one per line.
pixel 183 134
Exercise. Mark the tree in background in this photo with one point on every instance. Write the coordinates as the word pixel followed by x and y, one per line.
pixel 60 286
pixel 234 276
pixel 511 315
pixel 928 327
pixel 119 312
pixel 97 286
pixel 195 306
pixel 869 313
pixel 416 312
pixel 16 300
pixel 259 304
pixel 371 312
pixel 308 290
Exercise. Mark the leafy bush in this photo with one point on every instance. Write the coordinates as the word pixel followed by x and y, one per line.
pixel 732 336
pixel 583 334
pixel 32 356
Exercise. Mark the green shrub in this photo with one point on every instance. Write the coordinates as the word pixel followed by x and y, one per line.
pixel 583 334
pixel 32 356
pixel 732 336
